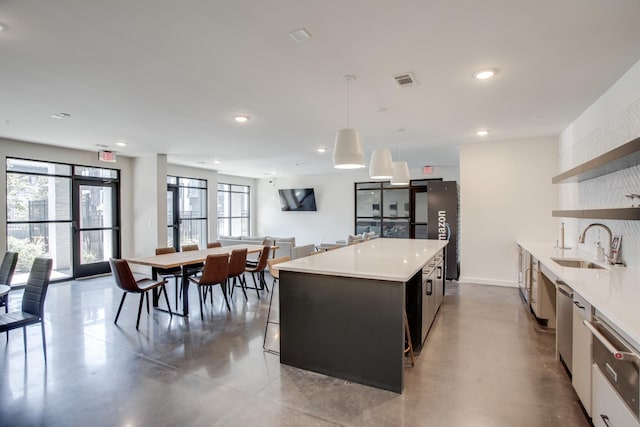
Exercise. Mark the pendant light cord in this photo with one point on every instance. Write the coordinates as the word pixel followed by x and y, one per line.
pixel 347 78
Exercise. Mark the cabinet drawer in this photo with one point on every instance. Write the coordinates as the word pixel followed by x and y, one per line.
pixel 608 409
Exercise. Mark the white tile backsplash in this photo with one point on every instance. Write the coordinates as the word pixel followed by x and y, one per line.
pixel 607 191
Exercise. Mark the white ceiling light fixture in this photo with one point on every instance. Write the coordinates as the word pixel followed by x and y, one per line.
pixel 121 143
pixel 300 34
pixel 485 74
pixel 321 150
pixel 381 164
pixel 483 132
pixel 60 116
pixel 241 118
pixel 400 173
pixel 400 169
pixel 347 150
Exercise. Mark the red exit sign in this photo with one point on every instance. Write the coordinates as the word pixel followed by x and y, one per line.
pixel 107 156
pixel 427 170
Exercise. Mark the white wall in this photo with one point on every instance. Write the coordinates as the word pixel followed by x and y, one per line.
pixel 505 195
pixel 47 153
pixel 334 219
pixel 611 121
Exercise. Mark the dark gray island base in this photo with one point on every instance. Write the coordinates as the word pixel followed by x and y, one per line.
pixel 344 327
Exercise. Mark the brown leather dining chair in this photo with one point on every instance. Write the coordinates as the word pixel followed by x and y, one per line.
pixel 7 268
pixel 127 282
pixel 32 311
pixel 259 270
pixel 215 271
pixel 167 273
pixel 237 264
pixel 215 244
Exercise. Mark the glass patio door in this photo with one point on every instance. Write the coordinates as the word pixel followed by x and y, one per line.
pixel 96 228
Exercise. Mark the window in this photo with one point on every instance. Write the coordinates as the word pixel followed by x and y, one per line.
pixel 382 208
pixel 186 211
pixel 233 210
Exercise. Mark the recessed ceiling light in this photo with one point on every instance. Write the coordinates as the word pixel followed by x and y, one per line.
pixel 60 116
pixel 121 143
pixel 300 34
pixel 216 162
pixel 241 118
pixel 485 74
pixel 483 132
pixel 321 150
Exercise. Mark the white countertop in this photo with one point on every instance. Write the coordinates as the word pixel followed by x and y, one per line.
pixel 379 259
pixel 614 291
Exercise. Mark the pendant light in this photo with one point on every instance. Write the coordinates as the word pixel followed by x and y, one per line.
pixel 347 150
pixel 400 172
pixel 381 164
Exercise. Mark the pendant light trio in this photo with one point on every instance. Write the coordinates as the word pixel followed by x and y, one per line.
pixel 348 153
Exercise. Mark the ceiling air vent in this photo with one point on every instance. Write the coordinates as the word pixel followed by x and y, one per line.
pixel 405 79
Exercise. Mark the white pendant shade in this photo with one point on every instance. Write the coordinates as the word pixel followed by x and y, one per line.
pixel 347 151
pixel 400 173
pixel 381 164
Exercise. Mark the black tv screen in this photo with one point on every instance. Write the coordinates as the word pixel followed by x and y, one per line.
pixel 297 199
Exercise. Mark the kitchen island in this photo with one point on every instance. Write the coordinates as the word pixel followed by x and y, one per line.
pixel 342 311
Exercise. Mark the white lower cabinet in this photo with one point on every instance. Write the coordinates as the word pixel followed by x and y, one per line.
pixel 581 351
pixel 608 409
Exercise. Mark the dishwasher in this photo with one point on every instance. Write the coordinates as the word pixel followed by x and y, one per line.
pixel 565 324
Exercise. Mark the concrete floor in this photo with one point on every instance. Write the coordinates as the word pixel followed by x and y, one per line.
pixel 486 363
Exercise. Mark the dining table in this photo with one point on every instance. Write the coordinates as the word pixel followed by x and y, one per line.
pixel 185 260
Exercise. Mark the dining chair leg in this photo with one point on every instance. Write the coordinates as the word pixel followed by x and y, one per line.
pixel 44 342
pixel 224 292
pixel 266 326
pixel 140 309
pixel 263 282
pixel 255 284
pixel 147 298
pixel 200 299
pixel 242 285
pixel 124 295
pixel 24 334
pixel 166 298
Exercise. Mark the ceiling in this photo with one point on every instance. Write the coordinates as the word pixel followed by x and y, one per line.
pixel 167 76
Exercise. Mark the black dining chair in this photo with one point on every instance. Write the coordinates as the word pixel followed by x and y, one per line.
pixel 33 298
pixel 127 282
pixel 7 268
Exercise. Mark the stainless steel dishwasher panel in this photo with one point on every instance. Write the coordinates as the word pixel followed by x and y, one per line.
pixel 565 324
pixel 618 361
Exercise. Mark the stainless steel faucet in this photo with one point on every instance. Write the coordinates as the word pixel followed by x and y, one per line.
pixel 608 230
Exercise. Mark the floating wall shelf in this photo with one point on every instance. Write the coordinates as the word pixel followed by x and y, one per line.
pixel 623 157
pixel 615 213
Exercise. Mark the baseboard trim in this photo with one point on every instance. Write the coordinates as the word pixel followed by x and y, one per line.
pixel 485 281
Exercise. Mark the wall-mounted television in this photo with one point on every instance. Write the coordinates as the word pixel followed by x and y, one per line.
pixel 297 199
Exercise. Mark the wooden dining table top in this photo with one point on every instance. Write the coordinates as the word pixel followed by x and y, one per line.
pixel 177 259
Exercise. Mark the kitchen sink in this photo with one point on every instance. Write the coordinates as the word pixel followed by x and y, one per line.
pixel 576 263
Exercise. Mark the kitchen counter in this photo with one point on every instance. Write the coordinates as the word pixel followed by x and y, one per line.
pixel 343 312
pixel 379 259
pixel 613 291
